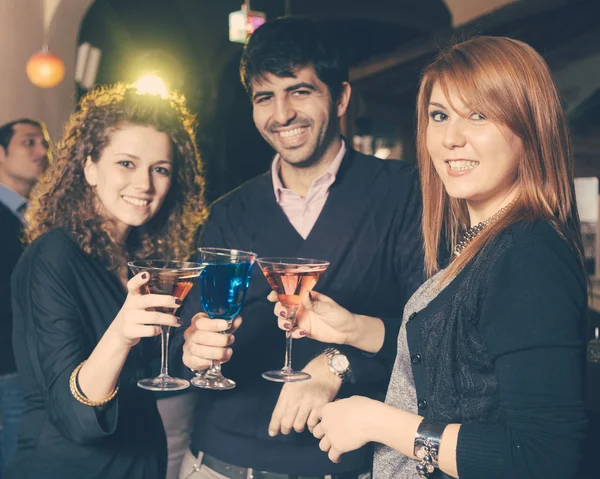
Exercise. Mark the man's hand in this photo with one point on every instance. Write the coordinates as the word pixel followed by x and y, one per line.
pixel 208 340
pixel 299 404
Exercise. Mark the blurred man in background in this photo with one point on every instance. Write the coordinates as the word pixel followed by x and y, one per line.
pixel 23 158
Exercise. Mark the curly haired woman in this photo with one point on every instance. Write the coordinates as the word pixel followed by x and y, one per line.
pixel 125 185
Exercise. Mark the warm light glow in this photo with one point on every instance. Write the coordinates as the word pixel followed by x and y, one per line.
pixel 151 85
pixel 45 70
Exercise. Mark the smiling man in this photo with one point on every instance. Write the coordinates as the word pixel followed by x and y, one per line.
pixel 322 200
pixel 23 158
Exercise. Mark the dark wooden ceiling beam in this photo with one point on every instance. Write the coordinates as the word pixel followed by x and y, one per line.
pixel 528 21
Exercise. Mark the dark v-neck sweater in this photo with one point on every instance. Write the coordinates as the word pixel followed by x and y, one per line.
pixel 369 230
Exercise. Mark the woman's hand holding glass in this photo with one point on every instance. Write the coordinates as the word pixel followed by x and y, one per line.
pixel 208 340
pixel 322 319
pixel 136 319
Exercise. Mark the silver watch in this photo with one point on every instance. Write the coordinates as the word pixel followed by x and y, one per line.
pixel 338 364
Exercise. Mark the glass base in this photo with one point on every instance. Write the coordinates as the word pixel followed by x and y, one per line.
pixel 207 381
pixel 163 383
pixel 286 376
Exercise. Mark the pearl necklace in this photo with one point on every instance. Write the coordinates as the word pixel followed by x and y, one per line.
pixel 473 231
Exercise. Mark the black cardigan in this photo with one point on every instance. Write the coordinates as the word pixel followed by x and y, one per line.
pixel 63 302
pixel 369 229
pixel 500 350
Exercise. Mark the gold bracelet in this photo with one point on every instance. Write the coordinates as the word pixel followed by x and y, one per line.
pixel 80 397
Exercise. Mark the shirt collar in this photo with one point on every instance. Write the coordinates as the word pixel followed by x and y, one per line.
pixel 328 175
pixel 12 200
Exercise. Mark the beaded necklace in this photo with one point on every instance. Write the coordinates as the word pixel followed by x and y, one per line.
pixel 473 231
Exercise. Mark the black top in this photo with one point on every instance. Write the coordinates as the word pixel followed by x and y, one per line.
pixel 501 351
pixel 63 302
pixel 369 230
pixel 10 251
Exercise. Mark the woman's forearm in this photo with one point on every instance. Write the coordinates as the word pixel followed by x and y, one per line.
pixel 99 375
pixel 397 429
pixel 368 335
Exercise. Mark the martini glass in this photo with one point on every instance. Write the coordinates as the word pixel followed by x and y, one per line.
pixel 174 278
pixel 223 285
pixel 289 277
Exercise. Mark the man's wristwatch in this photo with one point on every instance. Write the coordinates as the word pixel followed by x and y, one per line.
pixel 338 364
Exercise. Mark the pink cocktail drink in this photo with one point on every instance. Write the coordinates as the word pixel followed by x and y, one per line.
pixel 289 278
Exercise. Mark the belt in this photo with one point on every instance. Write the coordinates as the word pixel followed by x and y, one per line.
pixel 237 472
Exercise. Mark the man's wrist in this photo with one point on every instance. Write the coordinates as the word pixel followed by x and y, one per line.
pixel 319 367
pixel 339 364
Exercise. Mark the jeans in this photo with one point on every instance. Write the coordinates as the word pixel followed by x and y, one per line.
pixel 11 407
pixel 177 413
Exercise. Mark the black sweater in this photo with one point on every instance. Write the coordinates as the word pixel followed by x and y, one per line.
pixel 369 230
pixel 63 302
pixel 501 352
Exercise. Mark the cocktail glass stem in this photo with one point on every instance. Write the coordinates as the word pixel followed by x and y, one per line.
pixel 213 378
pixel 164 351
pixel 215 369
pixel 288 339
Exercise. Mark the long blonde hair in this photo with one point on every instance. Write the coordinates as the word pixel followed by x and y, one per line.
pixel 509 83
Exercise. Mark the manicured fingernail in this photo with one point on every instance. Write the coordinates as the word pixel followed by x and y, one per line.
pixel 272 433
pixel 287 325
pixel 144 275
pixel 179 321
pixel 303 333
pixel 282 314
pixel 228 353
pixel 178 301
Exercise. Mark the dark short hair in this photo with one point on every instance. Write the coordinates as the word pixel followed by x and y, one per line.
pixel 8 130
pixel 282 46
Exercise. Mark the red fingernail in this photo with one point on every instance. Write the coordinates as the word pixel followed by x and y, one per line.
pixel 287 325
pixel 303 333
pixel 144 275
pixel 178 301
pixel 282 314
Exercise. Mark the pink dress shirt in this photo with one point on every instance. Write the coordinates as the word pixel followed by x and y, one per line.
pixel 303 212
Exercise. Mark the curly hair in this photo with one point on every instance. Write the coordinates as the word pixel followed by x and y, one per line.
pixel 63 198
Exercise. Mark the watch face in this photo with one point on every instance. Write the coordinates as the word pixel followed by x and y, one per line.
pixel 340 363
